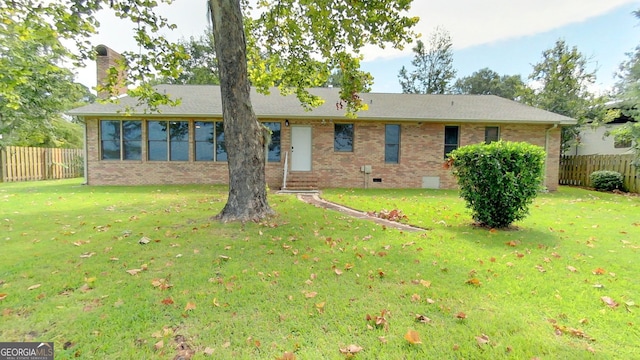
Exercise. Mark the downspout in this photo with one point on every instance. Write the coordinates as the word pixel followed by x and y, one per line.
pixel 546 150
pixel 86 155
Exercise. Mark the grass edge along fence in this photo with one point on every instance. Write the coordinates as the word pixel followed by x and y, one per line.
pixel 33 163
pixel 575 169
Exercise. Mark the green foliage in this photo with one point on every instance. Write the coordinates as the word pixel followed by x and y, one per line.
pixel 564 88
pixel 58 133
pixel 200 66
pixel 628 100
pixel 433 66
pixel 297 44
pixel 488 82
pixel 34 86
pixel 605 180
pixel 498 180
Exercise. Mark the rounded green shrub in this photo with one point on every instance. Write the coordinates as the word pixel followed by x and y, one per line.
pixel 605 180
pixel 499 180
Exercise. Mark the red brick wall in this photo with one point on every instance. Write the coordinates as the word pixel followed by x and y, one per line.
pixel 421 155
pixel 107 58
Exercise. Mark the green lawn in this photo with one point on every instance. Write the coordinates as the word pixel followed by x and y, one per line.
pixel 563 285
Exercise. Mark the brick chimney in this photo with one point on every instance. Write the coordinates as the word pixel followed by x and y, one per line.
pixel 106 59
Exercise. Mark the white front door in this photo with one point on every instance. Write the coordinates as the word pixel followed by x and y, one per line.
pixel 301 148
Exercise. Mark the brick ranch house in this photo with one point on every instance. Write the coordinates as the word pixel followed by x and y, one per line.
pixel 399 142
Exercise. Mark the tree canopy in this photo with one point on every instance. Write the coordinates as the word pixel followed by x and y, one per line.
pixel 488 82
pixel 200 66
pixel 35 86
pixel 433 66
pixel 627 100
pixel 561 85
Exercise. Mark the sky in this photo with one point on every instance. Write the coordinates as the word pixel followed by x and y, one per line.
pixel 507 36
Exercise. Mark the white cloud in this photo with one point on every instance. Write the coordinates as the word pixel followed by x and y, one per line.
pixel 474 22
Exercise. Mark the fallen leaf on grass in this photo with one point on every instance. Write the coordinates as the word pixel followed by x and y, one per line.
pixel 310 294
pixel 190 306
pixel 422 319
pixel 167 301
pixel 511 243
pixel 461 315
pixel 425 283
pixel 379 321
pixel 320 307
pixel 3 296
pixel 144 240
pixel 337 271
pixel 474 282
pixel 415 297
pixel 208 351
pixel 599 271
pixel 159 345
pixel 482 339
pixel 540 268
pixel 351 349
pixel 33 287
pixel 134 271
pixel 287 356
pixel 162 284
pixel 87 255
pixel 412 337
pixel 571 268
pixel 609 302
pixel 573 332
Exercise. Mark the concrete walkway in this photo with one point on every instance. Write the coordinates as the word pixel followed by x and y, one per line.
pixel 316 200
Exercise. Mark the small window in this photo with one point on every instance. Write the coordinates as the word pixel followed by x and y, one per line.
pixel 491 134
pixel 451 139
pixel 121 140
pixel 110 139
pixel 392 144
pixel 157 135
pixel 168 140
pixel 179 140
pixel 204 143
pixel 273 152
pixel 622 143
pixel 132 140
pixel 343 138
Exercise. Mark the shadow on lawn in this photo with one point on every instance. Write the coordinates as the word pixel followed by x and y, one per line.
pixel 77 186
pixel 522 237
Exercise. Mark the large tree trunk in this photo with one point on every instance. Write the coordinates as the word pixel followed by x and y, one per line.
pixel 243 134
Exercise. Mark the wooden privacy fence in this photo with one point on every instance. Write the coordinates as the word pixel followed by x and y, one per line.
pixel 31 163
pixel 575 169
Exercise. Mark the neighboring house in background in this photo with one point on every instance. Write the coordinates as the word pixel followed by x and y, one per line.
pixel 400 142
pixel 595 141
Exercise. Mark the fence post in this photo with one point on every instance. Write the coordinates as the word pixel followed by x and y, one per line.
pixel 3 161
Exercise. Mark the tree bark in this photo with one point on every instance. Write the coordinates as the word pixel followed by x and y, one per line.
pixel 243 133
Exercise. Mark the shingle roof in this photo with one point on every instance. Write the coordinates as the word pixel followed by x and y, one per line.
pixel 205 101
